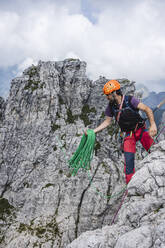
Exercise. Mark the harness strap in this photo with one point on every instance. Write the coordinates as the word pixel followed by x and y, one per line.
pixel 143 130
pixel 118 116
pixel 141 134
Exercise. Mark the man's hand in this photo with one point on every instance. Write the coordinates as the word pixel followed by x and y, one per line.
pixel 85 132
pixel 103 125
pixel 152 130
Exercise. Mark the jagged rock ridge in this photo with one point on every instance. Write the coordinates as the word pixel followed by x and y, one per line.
pixel 43 120
pixel 2 110
pixel 141 220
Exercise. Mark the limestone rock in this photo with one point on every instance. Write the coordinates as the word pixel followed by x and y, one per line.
pixel 41 204
pixel 2 110
pixel 140 221
pixel 161 135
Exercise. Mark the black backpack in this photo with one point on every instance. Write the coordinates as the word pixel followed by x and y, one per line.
pixel 129 119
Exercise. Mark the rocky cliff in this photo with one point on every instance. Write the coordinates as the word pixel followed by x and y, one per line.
pixel 162 128
pixel 2 110
pixel 141 219
pixel 41 204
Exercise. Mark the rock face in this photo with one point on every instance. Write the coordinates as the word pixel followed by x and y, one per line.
pixel 141 220
pixel 41 204
pixel 161 135
pixel 2 110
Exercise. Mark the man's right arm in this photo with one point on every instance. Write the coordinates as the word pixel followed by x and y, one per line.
pixel 103 125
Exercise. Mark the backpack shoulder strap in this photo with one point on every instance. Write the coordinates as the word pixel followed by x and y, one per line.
pixel 128 104
pixel 121 105
pixel 127 100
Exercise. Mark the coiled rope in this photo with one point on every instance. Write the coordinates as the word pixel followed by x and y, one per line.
pixel 82 158
pixel 84 153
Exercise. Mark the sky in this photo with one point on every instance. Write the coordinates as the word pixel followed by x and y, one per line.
pixel 117 38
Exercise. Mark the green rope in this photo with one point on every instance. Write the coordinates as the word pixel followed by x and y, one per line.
pixel 82 158
pixel 84 153
pixel 101 193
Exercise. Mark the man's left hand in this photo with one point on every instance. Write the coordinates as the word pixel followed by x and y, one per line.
pixel 152 130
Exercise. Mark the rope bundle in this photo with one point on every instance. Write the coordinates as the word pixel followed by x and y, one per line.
pixel 84 153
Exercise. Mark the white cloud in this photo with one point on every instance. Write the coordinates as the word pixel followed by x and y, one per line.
pixel 25 64
pixel 126 41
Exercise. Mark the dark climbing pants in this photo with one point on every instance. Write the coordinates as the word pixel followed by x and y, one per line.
pixel 130 149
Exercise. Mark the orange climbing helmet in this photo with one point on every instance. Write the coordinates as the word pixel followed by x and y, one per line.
pixel 111 86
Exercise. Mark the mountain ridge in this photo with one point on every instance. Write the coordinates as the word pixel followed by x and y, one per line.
pixel 43 119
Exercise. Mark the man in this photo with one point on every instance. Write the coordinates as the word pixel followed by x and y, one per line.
pixel 125 110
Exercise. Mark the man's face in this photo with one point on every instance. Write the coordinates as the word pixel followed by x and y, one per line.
pixel 110 98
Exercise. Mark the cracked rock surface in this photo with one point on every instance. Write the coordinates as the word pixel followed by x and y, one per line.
pixel 41 204
pixel 141 219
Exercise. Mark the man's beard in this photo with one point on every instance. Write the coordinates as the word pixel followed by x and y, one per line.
pixel 112 101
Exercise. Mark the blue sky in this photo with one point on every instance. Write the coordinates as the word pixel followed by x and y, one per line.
pixel 117 39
